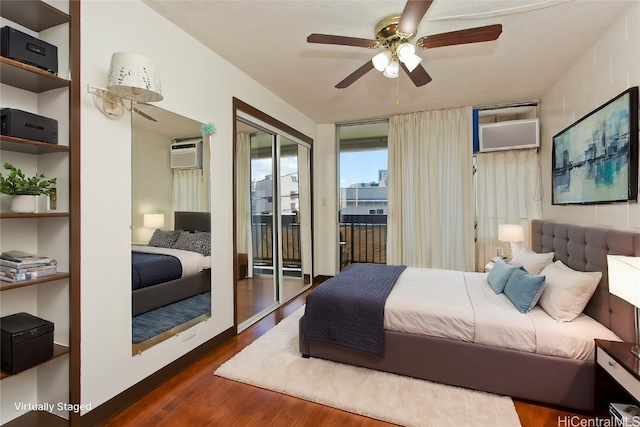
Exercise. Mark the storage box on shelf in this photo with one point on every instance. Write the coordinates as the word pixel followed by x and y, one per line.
pixel 48 231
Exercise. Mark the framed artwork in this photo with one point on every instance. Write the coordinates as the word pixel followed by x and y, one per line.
pixel 595 160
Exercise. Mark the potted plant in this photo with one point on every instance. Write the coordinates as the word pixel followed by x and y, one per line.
pixel 24 190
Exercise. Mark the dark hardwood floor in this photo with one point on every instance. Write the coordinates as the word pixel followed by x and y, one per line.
pixel 196 397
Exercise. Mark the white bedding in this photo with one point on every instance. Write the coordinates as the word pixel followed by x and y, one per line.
pixel 192 262
pixel 462 306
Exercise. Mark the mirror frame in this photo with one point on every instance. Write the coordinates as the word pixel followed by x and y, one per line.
pixel 239 105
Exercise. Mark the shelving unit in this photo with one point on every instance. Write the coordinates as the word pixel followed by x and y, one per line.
pixel 56 232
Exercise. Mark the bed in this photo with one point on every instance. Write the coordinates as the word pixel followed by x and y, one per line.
pixel 545 378
pixel 165 274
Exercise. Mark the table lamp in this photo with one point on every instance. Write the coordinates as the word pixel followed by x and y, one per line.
pixel 154 220
pixel 510 233
pixel 624 282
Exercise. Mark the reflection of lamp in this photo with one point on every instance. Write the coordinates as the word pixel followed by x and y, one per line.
pixel 624 282
pixel 511 234
pixel 131 76
pixel 154 220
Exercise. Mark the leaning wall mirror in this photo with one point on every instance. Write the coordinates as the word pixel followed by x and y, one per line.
pixel 272 214
pixel 171 220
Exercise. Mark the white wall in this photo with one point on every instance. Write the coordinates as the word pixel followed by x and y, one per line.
pixel 197 84
pixel 325 203
pixel 608 68
pixel 151 178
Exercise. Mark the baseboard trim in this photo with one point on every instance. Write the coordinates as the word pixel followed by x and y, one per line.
pixel 121 401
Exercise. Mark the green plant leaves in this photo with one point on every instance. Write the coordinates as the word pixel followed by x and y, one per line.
pixel 16 183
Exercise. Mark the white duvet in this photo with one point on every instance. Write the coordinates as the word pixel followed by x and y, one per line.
pixel 192 262
pixel 462 306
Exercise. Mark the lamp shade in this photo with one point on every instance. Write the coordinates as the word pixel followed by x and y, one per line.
pixel 392 69
pixel 624 277
pixel 154 220
pixel 381 60
pixel 510 233
pixel 135 77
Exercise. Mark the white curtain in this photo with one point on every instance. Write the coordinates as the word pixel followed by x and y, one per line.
pixel 243 192
pixel 187 191
pixel 507 193
pixel 431 214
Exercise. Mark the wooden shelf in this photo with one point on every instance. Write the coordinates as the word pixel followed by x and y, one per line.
pixel 58 350
pixel 5 286
pixel 37 418
pixel 33 14
pixel 13 215
pixel 28 77
pixel 28 146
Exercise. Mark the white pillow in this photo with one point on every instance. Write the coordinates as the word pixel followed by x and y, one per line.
pixel 567 291
pixel 531 261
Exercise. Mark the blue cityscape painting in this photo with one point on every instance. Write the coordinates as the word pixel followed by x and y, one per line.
pixel 595 160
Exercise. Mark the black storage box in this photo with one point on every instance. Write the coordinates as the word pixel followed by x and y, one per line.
pixel 25 341
pixel 21 124
pixel 24 48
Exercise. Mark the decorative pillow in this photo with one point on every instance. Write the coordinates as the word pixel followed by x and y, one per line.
pixel 194 242
pixel 499 275
pixel 531 261
pixel 567 291
pixel 524 290
pixel 164 239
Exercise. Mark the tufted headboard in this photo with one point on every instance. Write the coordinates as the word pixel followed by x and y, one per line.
pixel 585 248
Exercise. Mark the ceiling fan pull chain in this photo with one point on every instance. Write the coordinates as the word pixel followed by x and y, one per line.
pixel 397 92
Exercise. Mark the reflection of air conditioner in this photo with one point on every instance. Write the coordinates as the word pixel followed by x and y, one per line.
pixel 186 154
pixel 510 135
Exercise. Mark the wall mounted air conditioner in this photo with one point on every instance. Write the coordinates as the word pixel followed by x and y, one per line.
pixel 509 135
pixel 186 154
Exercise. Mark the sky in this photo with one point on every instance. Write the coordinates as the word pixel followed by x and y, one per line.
pixel 355 166
pixel 361 166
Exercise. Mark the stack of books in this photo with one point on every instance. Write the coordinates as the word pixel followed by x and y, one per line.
pixel 18 266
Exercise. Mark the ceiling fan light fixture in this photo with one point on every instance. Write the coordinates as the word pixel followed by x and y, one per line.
pixel 381 60
pixel 412 62
pixel 405 51
pixel 391 71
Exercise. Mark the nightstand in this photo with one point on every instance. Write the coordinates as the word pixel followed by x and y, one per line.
pixel 617 376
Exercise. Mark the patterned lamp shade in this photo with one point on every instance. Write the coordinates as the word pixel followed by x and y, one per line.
pixel 135 77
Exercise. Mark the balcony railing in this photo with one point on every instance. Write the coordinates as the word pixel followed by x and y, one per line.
pixel 262 236
pixel 363 238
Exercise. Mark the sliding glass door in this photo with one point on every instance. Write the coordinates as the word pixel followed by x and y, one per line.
pixel 273 218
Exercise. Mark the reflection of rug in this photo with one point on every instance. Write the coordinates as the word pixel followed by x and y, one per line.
pixel 273 362
pixel 155 322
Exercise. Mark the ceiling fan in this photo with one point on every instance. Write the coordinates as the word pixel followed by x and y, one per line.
pixel 394 34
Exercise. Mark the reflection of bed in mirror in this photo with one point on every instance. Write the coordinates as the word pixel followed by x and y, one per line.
pixel 175 267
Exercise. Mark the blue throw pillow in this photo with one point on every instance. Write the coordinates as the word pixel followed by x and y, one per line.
pixel 524 290
pixel 499 275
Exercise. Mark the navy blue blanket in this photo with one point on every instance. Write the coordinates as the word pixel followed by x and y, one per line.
pixel 348 309
pixel 151 269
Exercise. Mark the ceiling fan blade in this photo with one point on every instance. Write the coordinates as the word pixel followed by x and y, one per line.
pixel 145 115
pixel 341 40
pixel 418 76
pixel 412 14
pixel 368 66
pixel 470 35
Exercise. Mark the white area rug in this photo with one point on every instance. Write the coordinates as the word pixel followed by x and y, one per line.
pixel 274 362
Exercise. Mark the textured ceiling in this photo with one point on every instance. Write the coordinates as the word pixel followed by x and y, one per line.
pixel 266 40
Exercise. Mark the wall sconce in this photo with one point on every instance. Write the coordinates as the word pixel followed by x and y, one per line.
pixel 511 234
pixel 153 220
pixel 131 76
